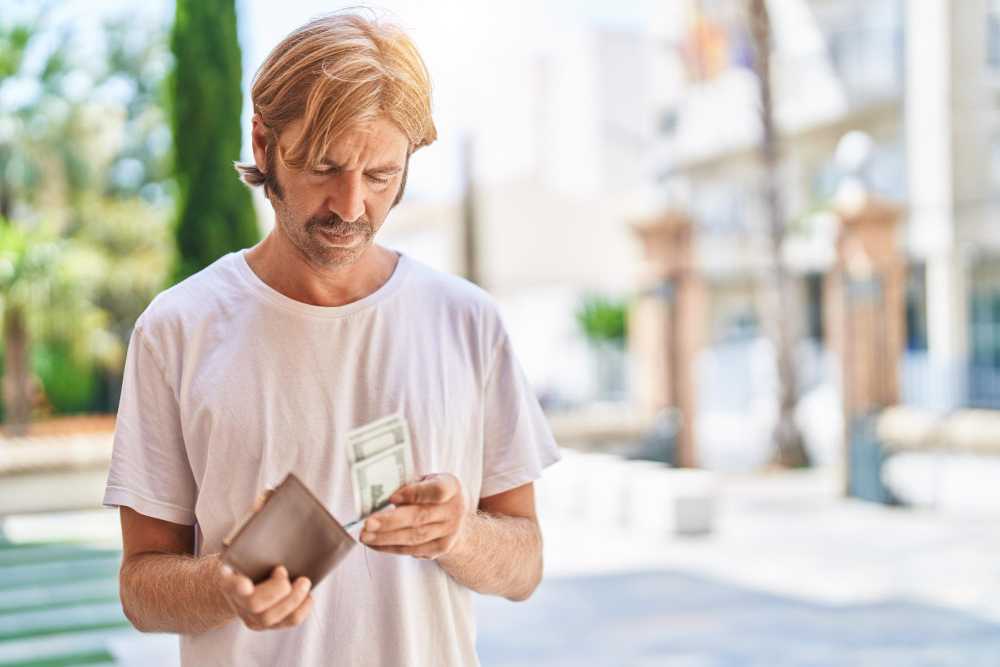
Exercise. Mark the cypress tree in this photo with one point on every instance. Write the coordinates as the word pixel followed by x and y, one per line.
pixel 215 211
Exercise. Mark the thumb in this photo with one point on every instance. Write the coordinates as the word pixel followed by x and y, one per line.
pixel 261 499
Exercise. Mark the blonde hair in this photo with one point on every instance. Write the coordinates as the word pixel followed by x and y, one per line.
pixel 337 72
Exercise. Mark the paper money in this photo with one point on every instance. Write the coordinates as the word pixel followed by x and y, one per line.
pixel 378 478
pixel 372 439
pixel 381 461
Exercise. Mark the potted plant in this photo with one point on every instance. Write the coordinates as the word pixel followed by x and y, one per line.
pixel 604 323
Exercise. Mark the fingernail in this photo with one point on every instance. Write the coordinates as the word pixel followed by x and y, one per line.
pixel 226 570
pixel 367 537
pixel 373 525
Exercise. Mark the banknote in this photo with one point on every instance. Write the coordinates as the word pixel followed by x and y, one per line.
pixel 376 425
pixel 381 460
pixel 375 438
pixel 378 477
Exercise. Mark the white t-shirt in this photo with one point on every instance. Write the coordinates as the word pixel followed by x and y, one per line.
pixel 229 385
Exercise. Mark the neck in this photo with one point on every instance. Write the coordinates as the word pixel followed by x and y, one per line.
pixel 282 267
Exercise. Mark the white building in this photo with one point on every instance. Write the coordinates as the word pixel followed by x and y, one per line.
pixel 580 128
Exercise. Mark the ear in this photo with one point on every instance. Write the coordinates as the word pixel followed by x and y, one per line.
pixel 259 135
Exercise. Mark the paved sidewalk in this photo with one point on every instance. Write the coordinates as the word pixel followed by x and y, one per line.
pixel 675 618
pixel 792 575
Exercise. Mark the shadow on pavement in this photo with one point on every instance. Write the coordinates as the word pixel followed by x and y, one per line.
pixel 679 619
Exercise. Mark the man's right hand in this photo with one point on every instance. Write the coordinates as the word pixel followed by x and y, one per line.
pixel 271 604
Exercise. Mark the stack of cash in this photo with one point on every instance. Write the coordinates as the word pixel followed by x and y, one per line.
pixel 381 461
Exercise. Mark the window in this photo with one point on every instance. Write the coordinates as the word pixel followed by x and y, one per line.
pixel 993 34
pixel 916 308
pixel 984 335
pixel 866 49
pixel 814 306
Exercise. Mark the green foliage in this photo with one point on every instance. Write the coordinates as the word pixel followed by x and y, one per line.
pixel 215 211
pixel 13 42
pixel 85 186
pixel 70 383
pixel 134 241
pixel 141 167
pixel 52 281
pixel 79 117
pixel 603 319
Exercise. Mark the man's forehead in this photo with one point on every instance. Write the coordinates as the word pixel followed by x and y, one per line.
pixel 380 144
pixel 377 152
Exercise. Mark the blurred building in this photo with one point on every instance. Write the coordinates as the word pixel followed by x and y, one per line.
pixel 552 164
pixel 895 99
pixel 953 148
pixel 838 79
pixel 607 126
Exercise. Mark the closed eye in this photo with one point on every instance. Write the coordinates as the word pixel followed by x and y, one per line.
pixel 333 171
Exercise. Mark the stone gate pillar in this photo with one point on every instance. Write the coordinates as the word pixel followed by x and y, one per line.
pixel 866 304
pixel 865 324
pixel 666 325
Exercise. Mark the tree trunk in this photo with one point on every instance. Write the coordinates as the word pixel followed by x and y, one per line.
pixel 789 446
pixel 17 373
pixel 470 220
pixel 6 202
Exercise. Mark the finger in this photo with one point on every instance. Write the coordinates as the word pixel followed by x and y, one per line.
pixel 235 583
pixel 407 536
pixel 424 551
pixel 299 615
pixel 261 499
pixel 430 489
pixel 407 516
pixel 270 591
pixel 277 612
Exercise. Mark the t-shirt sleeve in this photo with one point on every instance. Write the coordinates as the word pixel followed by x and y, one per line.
pixel 518 442
pixel 149 471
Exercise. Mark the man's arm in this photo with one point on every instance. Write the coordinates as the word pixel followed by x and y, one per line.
pixel 500 550
pixel 165 588
pixel 496 550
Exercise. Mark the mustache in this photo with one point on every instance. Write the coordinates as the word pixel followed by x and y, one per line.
pixel 337 224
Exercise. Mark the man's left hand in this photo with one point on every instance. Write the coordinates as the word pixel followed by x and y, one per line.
pixel 427 521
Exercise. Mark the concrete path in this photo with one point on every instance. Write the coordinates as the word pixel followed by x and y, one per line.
pixel 792 574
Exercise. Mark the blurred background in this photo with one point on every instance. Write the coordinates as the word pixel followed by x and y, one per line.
pixel 746 251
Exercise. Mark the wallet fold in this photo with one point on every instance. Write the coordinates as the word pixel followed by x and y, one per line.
pixel 292 528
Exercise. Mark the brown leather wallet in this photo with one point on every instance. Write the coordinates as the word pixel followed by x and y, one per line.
pixel 292 528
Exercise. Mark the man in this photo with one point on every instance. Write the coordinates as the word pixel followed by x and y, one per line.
pixel 259 364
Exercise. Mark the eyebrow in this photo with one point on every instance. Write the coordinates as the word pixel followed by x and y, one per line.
pixel 385 169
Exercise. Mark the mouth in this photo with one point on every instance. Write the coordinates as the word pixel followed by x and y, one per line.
pixel 340 238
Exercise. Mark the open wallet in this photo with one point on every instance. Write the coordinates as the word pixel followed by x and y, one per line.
pixel 292 528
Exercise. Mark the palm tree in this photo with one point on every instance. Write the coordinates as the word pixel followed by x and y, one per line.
pixel 790 449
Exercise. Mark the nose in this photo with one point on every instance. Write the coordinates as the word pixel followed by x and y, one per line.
pixel 346 198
